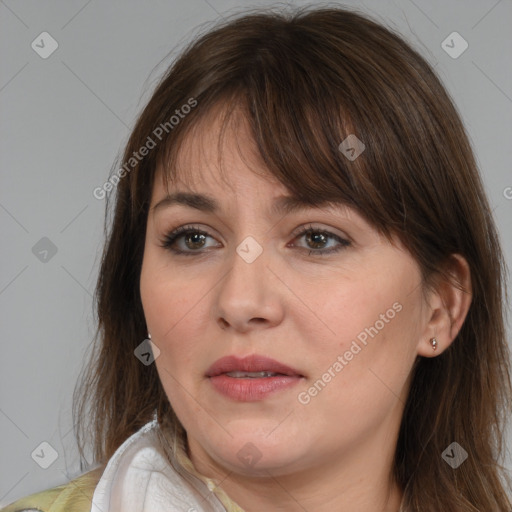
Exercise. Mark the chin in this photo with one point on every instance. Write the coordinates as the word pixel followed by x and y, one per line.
pixel 248 453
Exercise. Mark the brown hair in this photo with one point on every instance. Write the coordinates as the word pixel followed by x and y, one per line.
pixel 306 80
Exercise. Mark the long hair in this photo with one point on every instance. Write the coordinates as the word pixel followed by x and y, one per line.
pixel 305 81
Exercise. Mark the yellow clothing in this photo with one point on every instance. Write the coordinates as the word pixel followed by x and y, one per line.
pixel 77 495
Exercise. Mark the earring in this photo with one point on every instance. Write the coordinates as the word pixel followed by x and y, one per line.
pixel 149 336
pixel 433 342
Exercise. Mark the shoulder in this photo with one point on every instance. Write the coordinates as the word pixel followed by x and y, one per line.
pixel 75 495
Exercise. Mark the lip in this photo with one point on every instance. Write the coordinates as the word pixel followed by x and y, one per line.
pixel 252 363
pixel 251 389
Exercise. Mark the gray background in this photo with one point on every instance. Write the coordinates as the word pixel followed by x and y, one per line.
pixel 64 118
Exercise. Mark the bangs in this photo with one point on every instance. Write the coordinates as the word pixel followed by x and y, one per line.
pixel 335 119
pixel 299 146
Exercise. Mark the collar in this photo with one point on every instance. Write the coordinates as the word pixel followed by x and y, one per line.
pixel 139 478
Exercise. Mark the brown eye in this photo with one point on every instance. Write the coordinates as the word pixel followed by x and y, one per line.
pixel 190 241
pixel 317 240
pixel 194 240
pixel 186 240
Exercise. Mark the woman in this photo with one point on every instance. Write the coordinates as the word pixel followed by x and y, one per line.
pixel 301 298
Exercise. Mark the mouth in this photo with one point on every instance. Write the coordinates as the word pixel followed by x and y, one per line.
pixel 251 367
pixel 252 378
pixel 252 375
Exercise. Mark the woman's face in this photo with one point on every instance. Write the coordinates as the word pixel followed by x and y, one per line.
pixel 341 307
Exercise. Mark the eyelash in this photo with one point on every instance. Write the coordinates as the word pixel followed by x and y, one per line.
pixel 171 238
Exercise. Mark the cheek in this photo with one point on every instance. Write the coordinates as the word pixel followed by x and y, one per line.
pixel 174 309
pixel 347 311
pixel 167 294
pixel 376 360
pixel 367 336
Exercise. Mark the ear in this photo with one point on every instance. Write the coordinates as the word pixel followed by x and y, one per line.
pixel 448 305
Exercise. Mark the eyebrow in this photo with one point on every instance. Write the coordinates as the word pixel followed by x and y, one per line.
pixel 205 203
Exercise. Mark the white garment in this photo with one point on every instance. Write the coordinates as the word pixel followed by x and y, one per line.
pixel 139 478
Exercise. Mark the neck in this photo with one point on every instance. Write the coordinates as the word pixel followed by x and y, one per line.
pixel 361 480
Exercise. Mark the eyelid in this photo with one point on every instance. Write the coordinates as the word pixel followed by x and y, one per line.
pixel 329 229
pixel 173 235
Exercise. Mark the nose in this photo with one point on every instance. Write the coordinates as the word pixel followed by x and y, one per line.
pixel 249 295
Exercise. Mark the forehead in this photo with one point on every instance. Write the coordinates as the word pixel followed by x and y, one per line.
pixel 217 163
pixel 218 157
pixel 217 150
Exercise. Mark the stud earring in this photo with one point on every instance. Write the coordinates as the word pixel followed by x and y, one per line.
pixel 433 342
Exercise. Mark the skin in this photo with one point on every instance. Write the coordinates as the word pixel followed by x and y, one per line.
pixel 336 451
